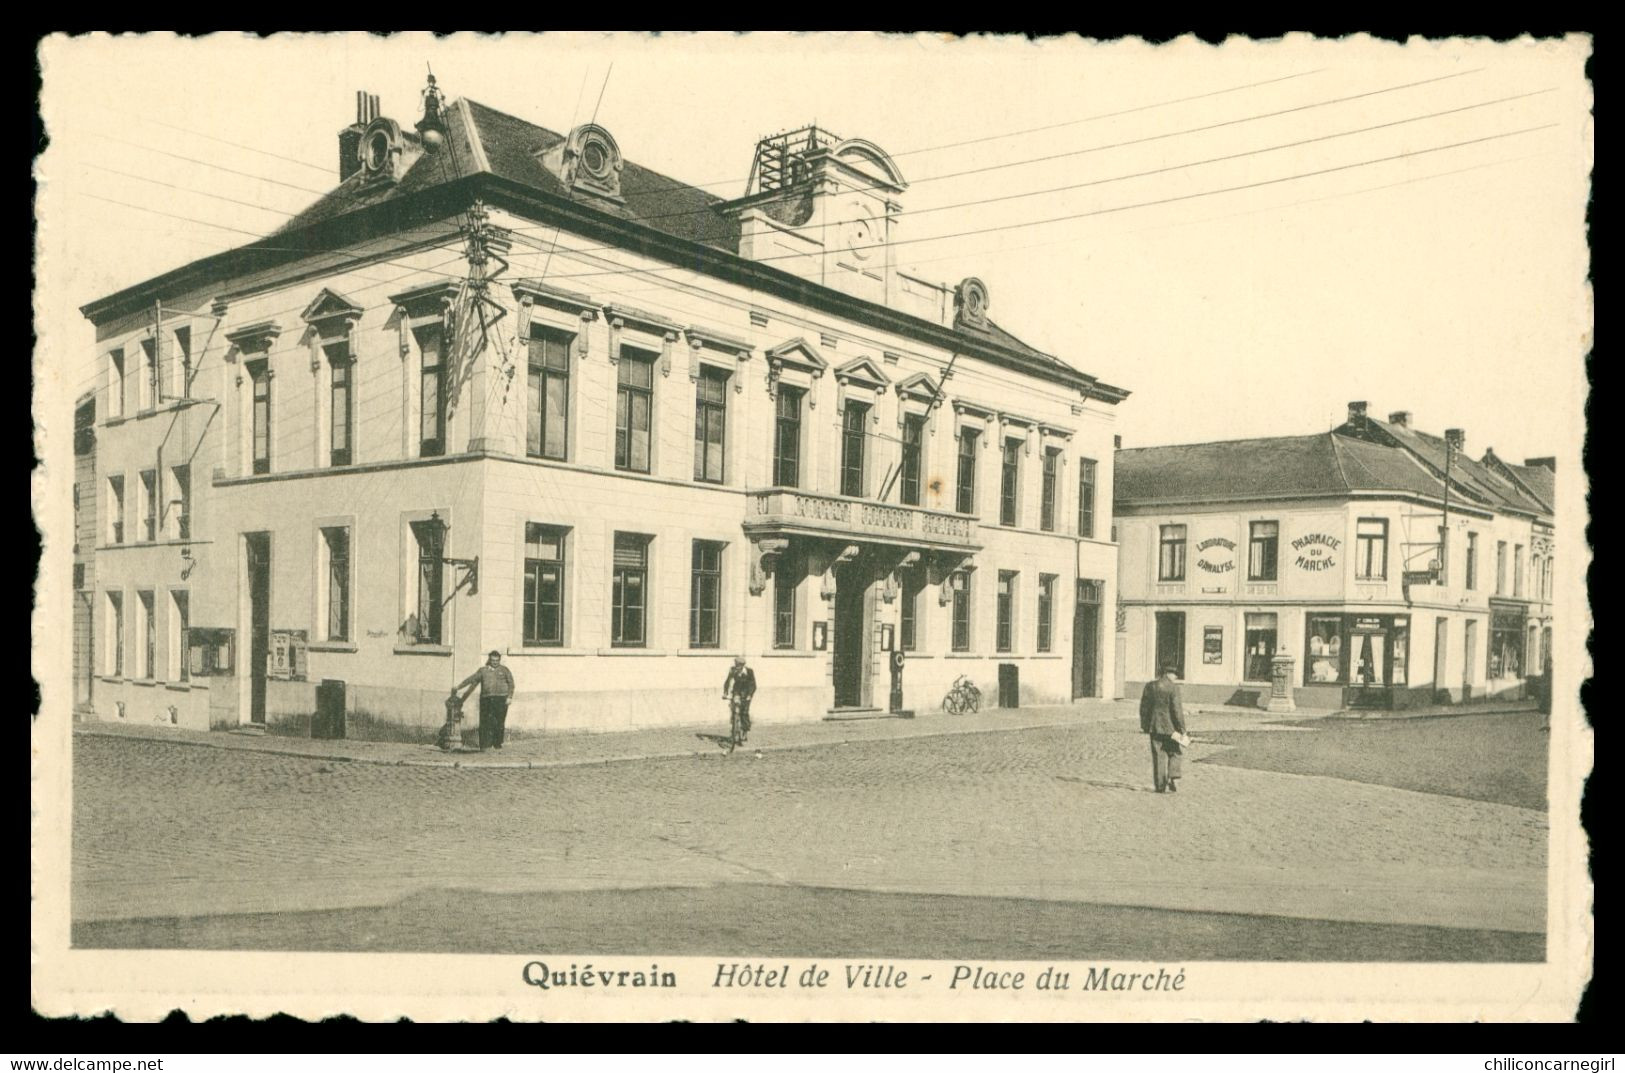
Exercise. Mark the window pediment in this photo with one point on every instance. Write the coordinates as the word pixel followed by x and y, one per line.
pixel 623 316
pixel 797 354
pixel 532 291
pixel 919 387
pixel 861 372
pixel 256 337
pixel 432 301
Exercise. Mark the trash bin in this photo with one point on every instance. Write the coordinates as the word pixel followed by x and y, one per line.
pixel 328 722
pixel 1009 685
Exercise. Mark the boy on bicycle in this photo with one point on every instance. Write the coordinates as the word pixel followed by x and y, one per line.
pixel 738 688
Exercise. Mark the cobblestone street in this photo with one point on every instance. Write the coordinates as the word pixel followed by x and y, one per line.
pixel 1060 814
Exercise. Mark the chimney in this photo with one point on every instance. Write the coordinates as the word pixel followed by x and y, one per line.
pixel 1402 418
pixel 366 110
pixel 1357 414
pixel 1545 463
pixel 1456 438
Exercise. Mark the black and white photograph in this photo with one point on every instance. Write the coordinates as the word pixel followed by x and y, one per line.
pixel 811 527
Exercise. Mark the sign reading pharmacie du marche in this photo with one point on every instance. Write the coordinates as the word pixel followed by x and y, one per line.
pixel 1316 551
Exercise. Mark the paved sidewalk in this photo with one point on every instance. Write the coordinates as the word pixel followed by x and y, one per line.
pixel 584 747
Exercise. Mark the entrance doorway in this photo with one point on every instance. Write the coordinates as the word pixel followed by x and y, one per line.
pixel 1086 640
pixel 1170 643
pixel 851 655
pixel 1369 669
pixel 258 550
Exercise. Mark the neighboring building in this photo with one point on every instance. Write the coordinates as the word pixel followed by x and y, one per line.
pixel 657 429
pixel 84 549
pixel 1335 549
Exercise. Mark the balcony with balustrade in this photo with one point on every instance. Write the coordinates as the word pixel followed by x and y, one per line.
pixel 793 512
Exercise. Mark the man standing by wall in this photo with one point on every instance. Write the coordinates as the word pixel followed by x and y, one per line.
pixel 496 687
pixel 1162 717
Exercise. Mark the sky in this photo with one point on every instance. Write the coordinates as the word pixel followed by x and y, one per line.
pixel 1246 237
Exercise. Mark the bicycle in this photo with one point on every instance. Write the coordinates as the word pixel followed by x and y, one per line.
pixel 963 697
pixel 738 722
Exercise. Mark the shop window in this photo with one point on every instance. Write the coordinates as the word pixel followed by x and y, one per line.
pixel 1260 641
pixel 1323 661
pixel 1506 646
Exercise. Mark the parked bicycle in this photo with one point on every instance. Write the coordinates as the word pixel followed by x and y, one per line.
pixel 963 697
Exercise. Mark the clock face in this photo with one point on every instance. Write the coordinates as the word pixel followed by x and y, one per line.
pixel 861 233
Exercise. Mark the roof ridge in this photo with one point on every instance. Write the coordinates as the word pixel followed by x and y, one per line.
pixel 1216 443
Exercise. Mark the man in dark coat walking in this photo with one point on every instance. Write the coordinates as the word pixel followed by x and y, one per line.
pixel 496 687
pixel 1161 717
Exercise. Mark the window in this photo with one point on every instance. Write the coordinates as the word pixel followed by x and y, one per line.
pixel 1260 646
pixel 547 404
pixel 179 628
pixel 1086 498
pixel 913 444
pixel 1046 611
pixel 149 635
pixel 342 404
pixel 183 366
pixel 967 471
pixel 149 505
pixel 909 624
pixel 1261 551
pixel 1517 571
pixel 629 590
pixel 705 596
pixel 115 509
pixel 1046 513
pixel 1547 591
pixel 710 425
pixel 784 608
pixel 634 407
pixel 431 573
pixel 787 438
pixel 1371 549
pixel 960 587
pixel 147 375
pixel 115 634
pixel 1506 645
pixel 260 373
pixel 1171 553
pixel 1324 660
pixel 115 383
pixel 1500 567
pixel 1009 482
pixel 1005 610
pixel 179 508
pixel 853 436
pixel 1472 562
pixel 432 404
pixel 335 581
pixel 544 586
